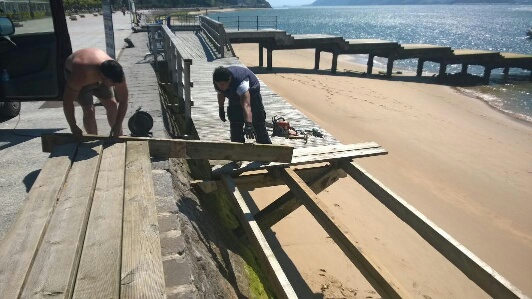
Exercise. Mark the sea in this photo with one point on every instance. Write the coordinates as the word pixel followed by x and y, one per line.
pixel 492 27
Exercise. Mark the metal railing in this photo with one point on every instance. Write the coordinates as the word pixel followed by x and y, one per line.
pixel 178 67
pixel 251 22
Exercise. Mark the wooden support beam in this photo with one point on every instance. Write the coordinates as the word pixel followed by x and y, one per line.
pixel 420 63
pixel 317 59
pixel 479 272
pixel 383 282
pixel 334 65
pixel 487 74
pixel 18 248
pixel 276 275
pixel 370 64
pixel 443 69
pixel 261 55
pixel 269 54
pixel 142 273
pixel 188 149
pixel 464 68
pixel 288 203
pixel 389 66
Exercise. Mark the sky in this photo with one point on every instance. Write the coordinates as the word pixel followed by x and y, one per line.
pixel 274 3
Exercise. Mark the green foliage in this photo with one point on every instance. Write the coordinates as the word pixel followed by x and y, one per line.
pixel 83 4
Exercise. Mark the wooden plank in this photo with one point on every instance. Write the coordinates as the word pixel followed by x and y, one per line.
pixel 188 149
pixel 276 275
pixel 238 151
pixel 323 153
pixel 19 246
pixel 142 268
pixel 472 266
pixel 383 282
pixel 309 159
pixel 287 203
pixel 57 259
pixel 99 269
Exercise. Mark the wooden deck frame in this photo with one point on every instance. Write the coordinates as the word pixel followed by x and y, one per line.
pixel 303 192
pixel 385 284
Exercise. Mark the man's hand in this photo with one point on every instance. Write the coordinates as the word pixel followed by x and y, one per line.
pixel 249 132
pixel 116 131
pixel 221 113
pixel 76 131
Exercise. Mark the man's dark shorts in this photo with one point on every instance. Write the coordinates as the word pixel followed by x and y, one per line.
pixel 100 90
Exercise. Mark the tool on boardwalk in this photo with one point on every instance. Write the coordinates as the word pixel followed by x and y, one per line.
pixel 140 124
pixel 281 127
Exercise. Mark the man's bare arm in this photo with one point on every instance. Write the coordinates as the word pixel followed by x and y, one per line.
pixel 70 94
pixel 221 99
pixel 122 95
pixel 245 102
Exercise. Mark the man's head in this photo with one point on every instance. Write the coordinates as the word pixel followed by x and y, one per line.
pixel 112 71
pixel 222 77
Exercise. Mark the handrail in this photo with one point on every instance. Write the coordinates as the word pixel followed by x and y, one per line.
pixel 215 32
pixel 249 22
pixel 178 66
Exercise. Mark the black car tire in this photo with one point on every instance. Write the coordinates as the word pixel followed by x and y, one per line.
pixel 10 109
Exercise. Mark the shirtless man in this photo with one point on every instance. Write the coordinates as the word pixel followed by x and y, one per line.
pixel 91 72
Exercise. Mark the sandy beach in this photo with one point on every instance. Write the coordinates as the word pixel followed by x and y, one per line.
pixel 464 165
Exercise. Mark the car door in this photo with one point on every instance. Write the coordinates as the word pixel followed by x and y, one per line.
pixel 34 55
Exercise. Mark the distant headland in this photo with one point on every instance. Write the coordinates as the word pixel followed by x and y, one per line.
pixel 410 2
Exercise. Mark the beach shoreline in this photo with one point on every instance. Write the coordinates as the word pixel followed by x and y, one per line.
pixel 462 163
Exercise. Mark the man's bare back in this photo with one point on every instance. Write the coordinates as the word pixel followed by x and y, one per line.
pixel 91 72
pixel 84 66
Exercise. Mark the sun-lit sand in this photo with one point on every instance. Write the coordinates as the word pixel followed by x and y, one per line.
pixel 464 165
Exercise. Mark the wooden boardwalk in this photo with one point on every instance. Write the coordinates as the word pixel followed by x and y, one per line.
pixel 205 109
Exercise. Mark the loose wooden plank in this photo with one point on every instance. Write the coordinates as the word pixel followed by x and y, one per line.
pixel 472 266
pixel 276 275
pixel 142 269
pixel 19 246
pixel 188 149
pixel 383 282
pixel 99 269
pixel 336 151
pixel 322 154
pixel 57 259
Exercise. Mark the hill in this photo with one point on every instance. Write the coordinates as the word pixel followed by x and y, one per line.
pixel 403 2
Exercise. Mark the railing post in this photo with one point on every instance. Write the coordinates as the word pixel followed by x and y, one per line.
pixel 238 23
pixel 275 22
pixel 179 71
pixel 188 98
pixel 257 23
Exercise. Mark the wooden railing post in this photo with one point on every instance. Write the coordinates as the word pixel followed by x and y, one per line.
pixel 188 97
